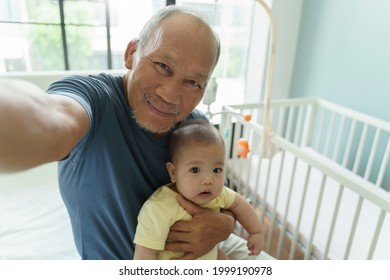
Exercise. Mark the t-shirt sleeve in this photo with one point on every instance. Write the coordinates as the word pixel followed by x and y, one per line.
pixel 90 92
pixel 154 222
pixel 227 196
pixel 87 90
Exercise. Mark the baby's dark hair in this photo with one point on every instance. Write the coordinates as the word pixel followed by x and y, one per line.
pixel 197 130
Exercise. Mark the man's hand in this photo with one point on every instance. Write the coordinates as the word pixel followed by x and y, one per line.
pixel 202 233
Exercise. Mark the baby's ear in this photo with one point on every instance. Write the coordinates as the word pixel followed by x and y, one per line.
pixel 172 171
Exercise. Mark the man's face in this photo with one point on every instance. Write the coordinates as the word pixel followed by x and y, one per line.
pixel 169 74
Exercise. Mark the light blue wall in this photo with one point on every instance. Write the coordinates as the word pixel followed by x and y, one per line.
pixel 343 54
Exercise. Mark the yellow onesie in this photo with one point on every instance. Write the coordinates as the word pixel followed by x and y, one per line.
pixel 162 210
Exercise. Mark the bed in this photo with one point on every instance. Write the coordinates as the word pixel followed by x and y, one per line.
pixel 324 191
pixel 34 223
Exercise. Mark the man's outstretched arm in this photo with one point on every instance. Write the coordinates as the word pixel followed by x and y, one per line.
pixel 36 127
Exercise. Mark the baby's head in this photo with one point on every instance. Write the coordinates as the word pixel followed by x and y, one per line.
pixel 197 153
pixel 194 131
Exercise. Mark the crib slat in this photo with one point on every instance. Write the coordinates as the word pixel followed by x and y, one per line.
pixel 298 129
pixel 236 159
pixel 338 140
pixel 275 203
pixel 303 199
pixel 329 134
pixel 372 154
pixel 248 170
pixel 317 212
pixel 266 188
pixel 349 143
pixel 285 215
pixel 272 210
pixel 360 149
pixel 257 185
pixel 319 134
pixel 256 114
pixel 235 138
pixel 354 226
pixel 375 238
pixel 289 123
pixel 307 134
pixel 384 163
pixel 267 180
pixel 334 219
pixel 227 134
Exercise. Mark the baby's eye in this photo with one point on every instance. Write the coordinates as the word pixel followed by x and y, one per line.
pixel 195 170
pixel 217 170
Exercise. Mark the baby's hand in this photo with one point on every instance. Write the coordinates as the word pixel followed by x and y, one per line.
pixel 255 243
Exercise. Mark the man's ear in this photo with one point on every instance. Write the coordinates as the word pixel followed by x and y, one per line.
pixel 172 171
pixel 129 53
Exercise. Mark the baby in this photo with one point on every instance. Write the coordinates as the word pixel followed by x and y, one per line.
pixel 196 169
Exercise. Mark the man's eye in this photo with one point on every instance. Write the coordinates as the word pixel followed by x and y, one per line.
pixel 194 169
pixel 194 84
pixel 162 67
pixel 217 170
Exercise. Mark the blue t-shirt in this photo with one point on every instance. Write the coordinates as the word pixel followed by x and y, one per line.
pixel 112 171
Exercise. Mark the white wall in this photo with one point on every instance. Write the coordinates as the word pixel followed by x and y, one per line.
pixel 343 56
pixel 287 14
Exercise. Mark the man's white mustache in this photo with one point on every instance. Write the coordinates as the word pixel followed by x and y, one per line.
pixel 160 104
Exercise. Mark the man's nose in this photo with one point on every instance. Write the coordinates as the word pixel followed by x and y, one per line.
pixel 170 91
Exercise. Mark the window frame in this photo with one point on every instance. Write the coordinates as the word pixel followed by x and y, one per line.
pixel 62 24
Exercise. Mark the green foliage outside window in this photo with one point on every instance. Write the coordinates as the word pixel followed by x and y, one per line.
pixel 46 50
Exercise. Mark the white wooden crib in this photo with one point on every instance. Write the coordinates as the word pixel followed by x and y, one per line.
pixel 325 193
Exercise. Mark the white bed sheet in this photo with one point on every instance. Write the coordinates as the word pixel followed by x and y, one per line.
pixel 34 223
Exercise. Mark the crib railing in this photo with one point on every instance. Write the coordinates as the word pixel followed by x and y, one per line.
pixel 350 149
pixel 358 142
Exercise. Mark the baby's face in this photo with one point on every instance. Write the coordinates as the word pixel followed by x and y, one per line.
pixel 199 171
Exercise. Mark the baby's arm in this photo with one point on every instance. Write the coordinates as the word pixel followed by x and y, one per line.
pixel 143 253
pixel 247 217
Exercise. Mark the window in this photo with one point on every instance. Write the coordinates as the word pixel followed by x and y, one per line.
pixel 232 21
pixel 56 35
pixel 48 35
